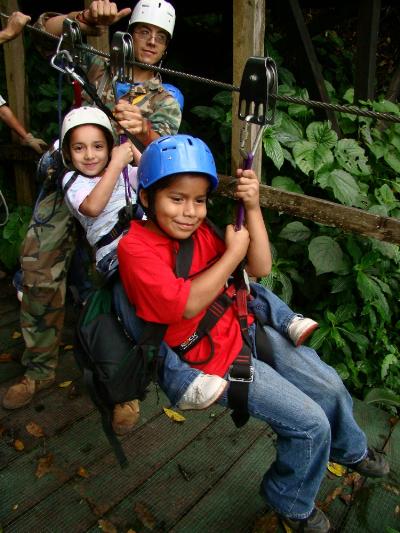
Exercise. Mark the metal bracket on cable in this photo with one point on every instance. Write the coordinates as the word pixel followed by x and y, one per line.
pixel 71 40
pixel 121 57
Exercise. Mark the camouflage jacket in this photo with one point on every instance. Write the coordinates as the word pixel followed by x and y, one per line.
pixel 156 104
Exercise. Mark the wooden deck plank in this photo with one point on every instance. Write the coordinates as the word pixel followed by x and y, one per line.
pixel 233 503
pixel 175 490
pixel 82 445
pixel 107 484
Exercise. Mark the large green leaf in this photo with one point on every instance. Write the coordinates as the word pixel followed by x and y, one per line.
pixel 310 157
pixel 326 255
pixel 287 184
pixel 343 185
pixel 384 396
pixel 392 158
pixel 371 292
pixel 388 360
pixel 321 134
pixel 295 232
pixel 273 150
pixel 352 157
pixel 215 112
pixel 289 131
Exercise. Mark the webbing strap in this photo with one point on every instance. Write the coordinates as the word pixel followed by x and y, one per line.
pixel 215 311
pixel 106 413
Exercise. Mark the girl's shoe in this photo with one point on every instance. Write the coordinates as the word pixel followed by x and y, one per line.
pixel 317 522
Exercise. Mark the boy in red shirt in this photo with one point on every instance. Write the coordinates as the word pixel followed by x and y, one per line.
pixel 298 395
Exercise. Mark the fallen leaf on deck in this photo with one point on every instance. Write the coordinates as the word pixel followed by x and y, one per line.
pixel 15 507
pixel 397 509
pixel 34 429
pixel 68 347
pixel 2 431
pixel 131 531
pixel 267 523
pixel 16 335
pixel 19 445
pixel 65 384
pixel 173 415
pixel 391 488
pixel 82 472
pixel 44 465
pixel 338 470
pixel 287 528
pixel 144 515
pixel 5 357
pixel 107 526
pixel 346 498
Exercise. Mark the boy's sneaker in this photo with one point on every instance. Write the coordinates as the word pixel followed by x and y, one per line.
pixel 202 392
pixel 317 522
pixel 22 393
pixel 373 465
pixel 125 417
pixel 300 329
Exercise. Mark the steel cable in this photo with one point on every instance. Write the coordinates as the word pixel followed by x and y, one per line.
pixel 338 108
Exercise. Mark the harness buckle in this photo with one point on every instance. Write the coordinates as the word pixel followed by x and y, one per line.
pixel 249 379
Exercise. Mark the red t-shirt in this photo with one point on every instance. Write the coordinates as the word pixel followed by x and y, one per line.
pixel 146 265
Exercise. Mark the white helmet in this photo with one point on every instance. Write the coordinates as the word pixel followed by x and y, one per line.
pixel 81 116
pixel 156 12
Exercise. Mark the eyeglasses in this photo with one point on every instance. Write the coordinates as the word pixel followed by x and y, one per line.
pixel 144 35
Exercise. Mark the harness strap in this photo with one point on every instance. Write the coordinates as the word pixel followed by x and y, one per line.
pixel 216 310
pixel 109 237
pixel 70 182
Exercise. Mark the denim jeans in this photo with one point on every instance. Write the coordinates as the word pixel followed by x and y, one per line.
pixel 306 404
pixel 270 309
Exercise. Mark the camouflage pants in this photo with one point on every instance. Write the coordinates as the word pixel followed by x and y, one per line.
pixel 46 254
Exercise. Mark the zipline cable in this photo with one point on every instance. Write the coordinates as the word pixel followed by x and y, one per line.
pixel 338 108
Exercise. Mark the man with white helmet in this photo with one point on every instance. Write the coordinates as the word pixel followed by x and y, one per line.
pixel 148 111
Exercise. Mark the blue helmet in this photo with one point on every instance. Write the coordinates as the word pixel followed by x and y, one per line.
pixel 175 154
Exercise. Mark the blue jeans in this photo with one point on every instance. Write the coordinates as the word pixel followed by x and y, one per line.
pixel 307 405
pixel 270 309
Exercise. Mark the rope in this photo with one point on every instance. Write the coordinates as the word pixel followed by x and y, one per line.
pixel 351 109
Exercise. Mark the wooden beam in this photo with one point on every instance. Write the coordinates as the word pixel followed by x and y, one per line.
pixel 321 211
pixel 248 40
pixel 367 41
pixel 102 42
pixel 14 59
pixel 313 62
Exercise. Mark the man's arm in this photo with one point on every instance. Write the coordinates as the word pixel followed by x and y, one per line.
pixel 100 13
pixel 15 24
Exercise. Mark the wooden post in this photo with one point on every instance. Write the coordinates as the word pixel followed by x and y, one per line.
pixel 14 59
pixel 100 43
pixel 367 39
pixel 248 40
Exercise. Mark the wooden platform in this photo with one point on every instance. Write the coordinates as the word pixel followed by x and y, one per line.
pixel 198 476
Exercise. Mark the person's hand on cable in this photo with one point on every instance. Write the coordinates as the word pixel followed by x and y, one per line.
pixel 39 145
pixel 100 14
pixel 131 118
pixel 15 24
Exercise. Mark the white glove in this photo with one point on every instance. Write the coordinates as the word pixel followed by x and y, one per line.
pixel 39 145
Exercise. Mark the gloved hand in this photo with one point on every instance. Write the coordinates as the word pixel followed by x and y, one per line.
pixel 39 145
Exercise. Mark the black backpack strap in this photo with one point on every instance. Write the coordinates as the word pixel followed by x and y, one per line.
pixel 106 413
pixel 69 183
pixel 184 258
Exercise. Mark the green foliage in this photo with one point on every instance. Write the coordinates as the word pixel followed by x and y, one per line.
pixel 12 235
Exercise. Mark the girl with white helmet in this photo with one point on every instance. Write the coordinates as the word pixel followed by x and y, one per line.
pixel 95 188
